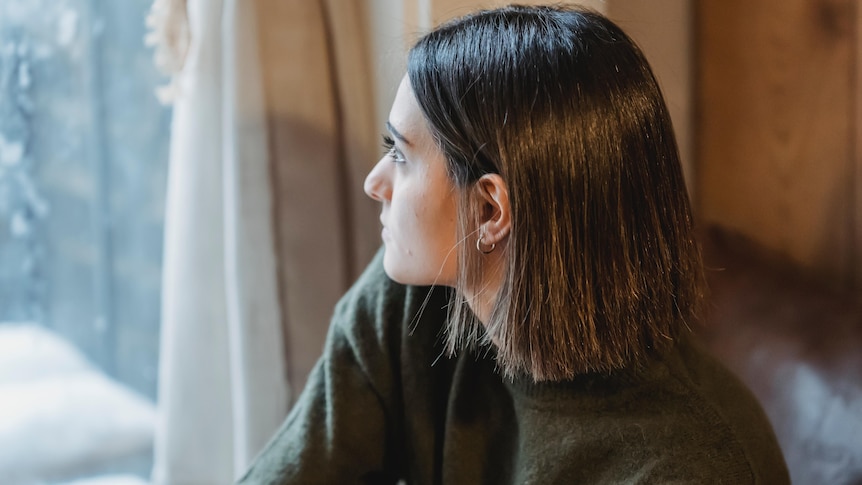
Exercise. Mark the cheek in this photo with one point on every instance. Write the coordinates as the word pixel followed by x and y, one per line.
pixel 424 222
pixel 405 221
pixel 441 227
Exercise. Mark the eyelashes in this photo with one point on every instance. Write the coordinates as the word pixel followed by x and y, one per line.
pixel 391 150
pixel 388 143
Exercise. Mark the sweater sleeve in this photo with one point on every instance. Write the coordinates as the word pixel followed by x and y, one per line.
pixel 345 427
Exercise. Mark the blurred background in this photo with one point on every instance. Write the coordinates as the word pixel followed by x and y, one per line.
pixel 178 217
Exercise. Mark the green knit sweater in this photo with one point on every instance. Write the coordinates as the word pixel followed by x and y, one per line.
pixel 384 404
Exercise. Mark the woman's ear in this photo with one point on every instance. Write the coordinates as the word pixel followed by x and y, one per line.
pixel 495 214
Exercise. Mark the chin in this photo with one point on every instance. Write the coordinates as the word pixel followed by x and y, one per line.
pixel 396 273
pixel 410 273
pixel 389 267
pixel 402 270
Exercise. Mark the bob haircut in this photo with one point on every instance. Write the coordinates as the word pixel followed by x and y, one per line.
pixel 601 268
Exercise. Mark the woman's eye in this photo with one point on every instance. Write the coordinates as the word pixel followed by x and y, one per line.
pixel 392 151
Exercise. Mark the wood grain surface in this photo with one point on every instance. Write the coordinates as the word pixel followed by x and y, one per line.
pixel 777 95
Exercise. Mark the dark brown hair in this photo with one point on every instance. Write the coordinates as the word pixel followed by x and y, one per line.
pixel 602 267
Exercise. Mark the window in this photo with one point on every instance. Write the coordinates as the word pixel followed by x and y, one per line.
pixel 83 164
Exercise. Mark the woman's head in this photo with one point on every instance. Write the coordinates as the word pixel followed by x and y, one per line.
pixel 597 260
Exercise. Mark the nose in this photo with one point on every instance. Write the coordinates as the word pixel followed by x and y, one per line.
pixel 377 184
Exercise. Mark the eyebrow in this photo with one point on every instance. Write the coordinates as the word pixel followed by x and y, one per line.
pixel 396 134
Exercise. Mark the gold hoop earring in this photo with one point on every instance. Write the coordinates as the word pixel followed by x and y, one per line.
pixel 479 246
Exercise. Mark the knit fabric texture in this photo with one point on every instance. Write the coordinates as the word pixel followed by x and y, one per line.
pixel 385 404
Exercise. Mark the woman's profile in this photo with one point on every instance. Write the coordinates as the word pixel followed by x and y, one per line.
pixel 527 319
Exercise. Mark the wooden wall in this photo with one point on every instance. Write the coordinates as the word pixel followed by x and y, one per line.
pixel 778 133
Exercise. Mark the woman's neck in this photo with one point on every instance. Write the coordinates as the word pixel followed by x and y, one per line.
pixel 483 297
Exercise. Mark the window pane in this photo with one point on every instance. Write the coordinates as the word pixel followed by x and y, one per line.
pixel 83 161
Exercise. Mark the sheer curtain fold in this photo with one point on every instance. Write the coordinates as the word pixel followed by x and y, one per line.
pixel 222 378
pixel 266 224
pixel 358 133
pixel 322 142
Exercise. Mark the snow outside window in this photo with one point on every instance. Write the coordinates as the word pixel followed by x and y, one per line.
pixel 83 163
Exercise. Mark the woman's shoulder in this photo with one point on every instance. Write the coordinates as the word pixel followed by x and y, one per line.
pixel 705 423
pixel 682 417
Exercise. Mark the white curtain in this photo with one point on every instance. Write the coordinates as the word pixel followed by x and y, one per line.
pixel 222 378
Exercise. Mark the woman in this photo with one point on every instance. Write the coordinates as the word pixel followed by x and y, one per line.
pixel 531 168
